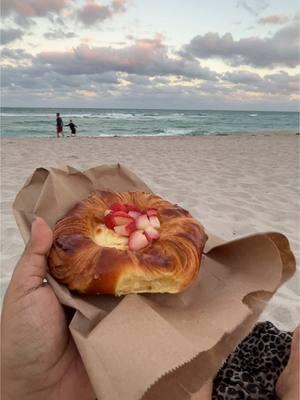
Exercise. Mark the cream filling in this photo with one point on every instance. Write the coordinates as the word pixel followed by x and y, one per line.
pixel 106 237
pixel 131 283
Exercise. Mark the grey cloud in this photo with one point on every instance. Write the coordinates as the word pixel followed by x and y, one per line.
pixel 24 11
pixel 276 83
pixel 254 7
pixel 119 5
pixel 107 77
pixel 57 20
pixel 146 57
pixel 9 35
pixel 59 34
pixel 23 22
pixel 40 85
pixel 17 55
pixel 92 12
pixel 160 80
pixel 32 8
pixel 245 77
pixel 138 79
pixel 280 49
pixel 41 77
pixel 282 82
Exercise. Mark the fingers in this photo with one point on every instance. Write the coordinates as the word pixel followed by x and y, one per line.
pixel 294 357
pixel 32 267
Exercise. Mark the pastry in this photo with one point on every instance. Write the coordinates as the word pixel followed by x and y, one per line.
pixel 127 242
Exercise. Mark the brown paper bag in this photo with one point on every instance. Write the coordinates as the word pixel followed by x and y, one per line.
pixel 158 346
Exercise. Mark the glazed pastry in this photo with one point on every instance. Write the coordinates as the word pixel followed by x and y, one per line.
pixel 127 242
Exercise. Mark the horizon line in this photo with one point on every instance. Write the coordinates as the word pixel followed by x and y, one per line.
pixel 150 109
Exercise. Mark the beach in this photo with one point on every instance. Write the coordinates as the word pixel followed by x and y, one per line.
pixel 235 185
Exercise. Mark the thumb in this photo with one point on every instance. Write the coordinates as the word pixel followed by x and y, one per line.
pixel 41 238
pixel 32 267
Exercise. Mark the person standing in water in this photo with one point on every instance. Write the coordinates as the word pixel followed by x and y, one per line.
pixel 59 125
pixel 72 127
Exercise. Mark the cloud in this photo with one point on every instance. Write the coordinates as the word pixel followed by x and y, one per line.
pixel 119 5
pixel 244 77
pixel 23 22
pixel 86 93
pixel 9 35
pixel 280 49
pixel 92 12
pixel 138 80
pixel 16 55
pixel 23 12
pixel 59 34
pixel 274 19
pixel 32 8
pixel 145 57
pixel 280 83
pixel 254 7
pixel 41 86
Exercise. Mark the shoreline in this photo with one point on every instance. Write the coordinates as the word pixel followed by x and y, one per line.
pixel 246 133
pixel 235 185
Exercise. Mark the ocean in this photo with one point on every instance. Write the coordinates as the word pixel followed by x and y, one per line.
pixel 41 122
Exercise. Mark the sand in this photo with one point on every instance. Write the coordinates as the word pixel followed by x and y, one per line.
pixel 235 185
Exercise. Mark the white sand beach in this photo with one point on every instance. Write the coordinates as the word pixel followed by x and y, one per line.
pixel 235 185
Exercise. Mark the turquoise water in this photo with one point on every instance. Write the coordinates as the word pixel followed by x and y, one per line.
pixel 130 122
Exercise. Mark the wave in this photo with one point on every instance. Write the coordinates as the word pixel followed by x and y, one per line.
pixel 26 115
pixel 105 115
pixel 252 115
pixel 177 131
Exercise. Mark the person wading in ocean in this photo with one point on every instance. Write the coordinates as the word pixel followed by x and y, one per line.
pixel 59 125
pixel 72 127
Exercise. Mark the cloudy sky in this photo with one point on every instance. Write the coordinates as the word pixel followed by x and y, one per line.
pixel 191 54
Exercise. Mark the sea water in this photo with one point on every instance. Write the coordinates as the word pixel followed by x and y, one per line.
pixel 41 122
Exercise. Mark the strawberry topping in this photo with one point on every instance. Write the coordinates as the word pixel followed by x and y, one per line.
pixel 128 220
pixel 137 241
pixel 118 207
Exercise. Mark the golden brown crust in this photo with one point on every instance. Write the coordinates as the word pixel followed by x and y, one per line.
pixel 79 262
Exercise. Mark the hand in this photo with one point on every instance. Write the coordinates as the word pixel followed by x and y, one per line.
pixel 287 386
pixel 39 357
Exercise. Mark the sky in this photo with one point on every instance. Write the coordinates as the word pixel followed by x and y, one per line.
pixel 191 54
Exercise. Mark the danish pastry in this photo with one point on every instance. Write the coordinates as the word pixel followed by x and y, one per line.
pixel 127 242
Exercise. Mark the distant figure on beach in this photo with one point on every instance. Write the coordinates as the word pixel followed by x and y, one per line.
pixel 72 127
pixel 59 125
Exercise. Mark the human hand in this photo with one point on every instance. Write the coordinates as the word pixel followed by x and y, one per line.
pixel 39 357
pixel 287 386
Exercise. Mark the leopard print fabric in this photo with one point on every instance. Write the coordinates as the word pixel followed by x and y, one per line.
pixel 252 370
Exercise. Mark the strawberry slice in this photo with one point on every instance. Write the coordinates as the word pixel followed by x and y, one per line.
pixel 154 221
pixel 142 222
pixel 134 214
pixel 118 207
pixel 117 218
pixel 122 219
pixel 130 228
pixel 125 230
pixel 150 212
pixel 119 213
pixel 137 241
pixel 109 221
pixel 132 207
pixel 151 233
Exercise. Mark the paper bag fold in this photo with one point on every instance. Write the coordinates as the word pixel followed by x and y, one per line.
pixel 158 346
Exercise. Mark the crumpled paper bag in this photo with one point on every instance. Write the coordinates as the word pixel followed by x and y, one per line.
pixel 158 346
